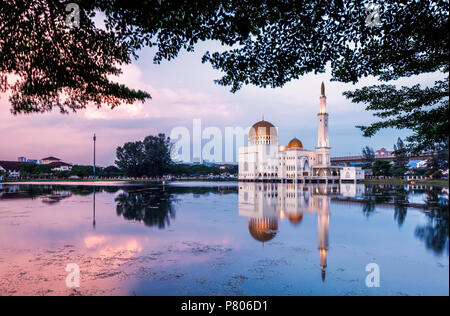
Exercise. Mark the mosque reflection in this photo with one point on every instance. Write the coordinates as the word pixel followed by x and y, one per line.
pixel 265 203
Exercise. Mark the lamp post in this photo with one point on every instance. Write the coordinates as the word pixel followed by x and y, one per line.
pixel 95 139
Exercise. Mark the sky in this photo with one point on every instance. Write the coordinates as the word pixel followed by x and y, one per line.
pixel 183 90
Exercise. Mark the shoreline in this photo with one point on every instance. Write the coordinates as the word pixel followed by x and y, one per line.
pixel 99 182
pixel 397 181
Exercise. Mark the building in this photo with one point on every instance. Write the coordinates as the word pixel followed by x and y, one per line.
pixel 352 174
pixel 24 159
pixel 380 153
pixel 264 160
pixel 422 164
pixel 49 160
pixel 60 166
pixel 11 168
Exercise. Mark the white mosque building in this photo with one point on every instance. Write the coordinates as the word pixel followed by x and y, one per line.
pixel 264 160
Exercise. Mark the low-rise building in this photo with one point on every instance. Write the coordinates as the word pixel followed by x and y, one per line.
pixel 380 153
pixel 353 174
pixel 49 160
pixel 11 168
pixel 60 166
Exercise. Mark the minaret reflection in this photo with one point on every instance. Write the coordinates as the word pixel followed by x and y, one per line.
pixel 265 203
pixel 323 225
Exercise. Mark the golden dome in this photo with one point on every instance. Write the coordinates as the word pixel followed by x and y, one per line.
pixel 262 128
pixel 296 218
pixel 263 229
pixel 295 143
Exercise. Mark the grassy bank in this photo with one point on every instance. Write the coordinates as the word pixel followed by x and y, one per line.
pixel 397 181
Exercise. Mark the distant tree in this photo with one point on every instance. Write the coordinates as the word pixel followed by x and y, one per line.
pixel 130 158
pixel 31 170
pixel 61 174
pixel 157 159
pixel 368 156
pixel 437 163
pixel 419 171
pixel 111 171
pixel 401 159
pixel 82 171
pixel 382 168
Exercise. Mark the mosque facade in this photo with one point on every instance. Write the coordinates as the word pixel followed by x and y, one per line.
pixel 264 160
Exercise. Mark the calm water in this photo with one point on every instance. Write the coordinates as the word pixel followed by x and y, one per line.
pixel 224 238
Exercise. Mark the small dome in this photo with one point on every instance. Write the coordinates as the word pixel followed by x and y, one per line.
pixel 296 218
pixel 262 129
pixel 295 143
pixel 263 229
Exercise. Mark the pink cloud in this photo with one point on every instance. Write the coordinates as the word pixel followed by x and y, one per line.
pixel 69 137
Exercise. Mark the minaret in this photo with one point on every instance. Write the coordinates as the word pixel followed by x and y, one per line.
pixel 323 145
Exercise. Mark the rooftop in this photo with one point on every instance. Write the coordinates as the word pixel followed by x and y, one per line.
pixel 51 158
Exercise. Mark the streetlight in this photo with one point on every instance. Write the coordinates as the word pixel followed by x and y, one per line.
pixel 95 139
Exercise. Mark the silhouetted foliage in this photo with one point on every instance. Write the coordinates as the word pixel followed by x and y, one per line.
pixel 401 159
pixel 157 158
pixel 382 168
pixel 437 163
pixel 424 111
pixel 59 66
pixel 130 158
pixel 266 43
pixel 150 157
pixel 368 156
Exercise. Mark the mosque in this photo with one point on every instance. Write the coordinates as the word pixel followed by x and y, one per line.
pixel 264 160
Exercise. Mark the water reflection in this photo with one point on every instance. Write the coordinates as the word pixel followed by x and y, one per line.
pixel 435 233
pixel 153 207
pixel 263 204
pixel 211 249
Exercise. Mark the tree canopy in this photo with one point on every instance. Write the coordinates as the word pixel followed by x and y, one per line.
pixel 265 43
pixel 369 156
pixel 401 160
pixel 150 157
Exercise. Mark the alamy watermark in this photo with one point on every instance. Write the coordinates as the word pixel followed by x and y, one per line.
pixel 73 278
pixel 373 278
pixel 215 145
pixel 73 16
pixel 373 14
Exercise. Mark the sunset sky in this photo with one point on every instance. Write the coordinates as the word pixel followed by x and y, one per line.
pixel 183 90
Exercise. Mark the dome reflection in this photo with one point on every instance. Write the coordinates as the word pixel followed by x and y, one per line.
pixel 265 203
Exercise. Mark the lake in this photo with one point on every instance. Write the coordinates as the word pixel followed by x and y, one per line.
pixel 213 238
